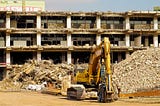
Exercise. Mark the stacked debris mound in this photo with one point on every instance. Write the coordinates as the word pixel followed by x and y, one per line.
pixel 139 72
pixel 33 72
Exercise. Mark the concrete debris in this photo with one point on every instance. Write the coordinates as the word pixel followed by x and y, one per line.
pixel 33 74
pixel 36 87
pixel 139 72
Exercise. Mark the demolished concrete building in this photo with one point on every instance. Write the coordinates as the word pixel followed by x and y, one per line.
pixel 70 36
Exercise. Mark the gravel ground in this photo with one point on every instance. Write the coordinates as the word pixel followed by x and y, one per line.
pixel 38 99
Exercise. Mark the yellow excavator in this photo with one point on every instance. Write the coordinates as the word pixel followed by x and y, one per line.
pixel 98 76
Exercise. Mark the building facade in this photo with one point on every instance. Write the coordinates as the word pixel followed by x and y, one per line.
pixel 70 36
pixel 19 5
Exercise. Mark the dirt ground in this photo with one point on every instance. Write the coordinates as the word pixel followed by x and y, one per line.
pixel 38 99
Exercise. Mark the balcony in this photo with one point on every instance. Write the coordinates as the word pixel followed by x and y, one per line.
pixel 112 26
pixel 142 26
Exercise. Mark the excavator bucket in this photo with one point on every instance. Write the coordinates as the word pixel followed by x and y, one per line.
pixel 76 92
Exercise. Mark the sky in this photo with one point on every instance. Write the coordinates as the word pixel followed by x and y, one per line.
pixel 101 5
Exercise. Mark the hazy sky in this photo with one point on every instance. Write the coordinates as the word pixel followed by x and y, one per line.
pixel 101 5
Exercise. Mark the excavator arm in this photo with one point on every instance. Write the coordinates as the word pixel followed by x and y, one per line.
pixel 99 54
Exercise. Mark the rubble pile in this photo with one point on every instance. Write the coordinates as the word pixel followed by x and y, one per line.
pixel 33 72
pixel 139 72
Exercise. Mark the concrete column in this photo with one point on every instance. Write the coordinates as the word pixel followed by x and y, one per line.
pixel 127 39
pixel 7 40
pixel 69 58
pixel 69 41
pixel 38 55
pixel 98 39
pixel 63 57
pixel 127 22
pixel 146 43
pixel 98 20
pixel 8 21
pixel 155 40
pixel 68 21
pixel 8 58
pixel 137 40
pixel 155 23
pixel 127 54
pixel 119 57
pixel 38 21
pixel 39 39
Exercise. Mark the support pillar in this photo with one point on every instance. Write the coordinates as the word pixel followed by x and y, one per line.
pixel 69 41
pixel 7 21
pixel 38 55
pixel 155 40
pixel 119 57
pixel 39 39
pixel 137 40
pixel 8 58
pixel 38 27
pixel 98 20
pixel 69 58
pixel 127 22
pixel 7 40
pixel 127 39
pixel 38 21
pixel 63 57
pixel 146 43
pixel 68 21
pixel 98 39
pixel 155 21
pixel 127 54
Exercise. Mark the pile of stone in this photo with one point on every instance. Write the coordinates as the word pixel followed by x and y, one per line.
pixel 139 72
pixel 33 72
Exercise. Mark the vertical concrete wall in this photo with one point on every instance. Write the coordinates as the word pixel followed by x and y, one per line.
pixel 68 21
pixel 127 39
pixel 69 58
pixel 8 21
pixel 155 40
pixel 8 60
pixel 38 36
pixel 38 27
pixel 69 41
pixel 38 21
pixel 38 55
pixel 98 39
pixel 127 22
pixel 7 40
pixel 155 20
pixel 127 54
pixel 98 36
pixel 98 21
pixel 39 39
